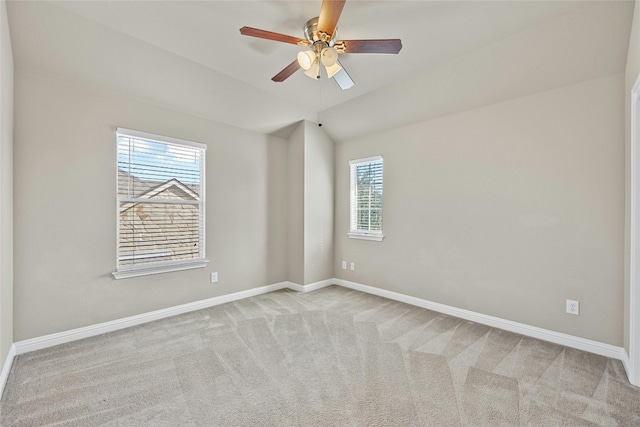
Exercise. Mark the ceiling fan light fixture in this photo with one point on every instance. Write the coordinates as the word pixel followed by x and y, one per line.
pixel 332 70
pixel 329 56
pixel 306 59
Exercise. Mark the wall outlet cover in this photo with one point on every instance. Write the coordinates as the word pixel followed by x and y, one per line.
pixel 573 307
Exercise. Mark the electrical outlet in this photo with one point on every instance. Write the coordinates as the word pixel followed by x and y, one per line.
pixel 353 266
pixel 573 307
pixel 344 265
pixel 214 277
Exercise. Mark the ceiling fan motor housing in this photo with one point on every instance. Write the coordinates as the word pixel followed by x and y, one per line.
pixel 312 34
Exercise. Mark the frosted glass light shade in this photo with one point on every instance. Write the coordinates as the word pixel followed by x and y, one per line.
pixel 329 56
pixel 332 70
pixel 314 70
pixel 306 59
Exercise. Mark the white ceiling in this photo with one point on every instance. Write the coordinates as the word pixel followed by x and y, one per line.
pixel 190 56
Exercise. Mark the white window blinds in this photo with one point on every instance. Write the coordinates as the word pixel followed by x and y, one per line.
pixel 160 204
pixel 366 198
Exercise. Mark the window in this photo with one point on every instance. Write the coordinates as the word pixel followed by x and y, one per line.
pixel 366 199
pixel 160 204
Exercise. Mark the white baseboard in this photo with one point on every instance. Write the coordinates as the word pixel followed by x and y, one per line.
pixel 595 347
pixel 6 368
pixel 51 340
pixel 311 286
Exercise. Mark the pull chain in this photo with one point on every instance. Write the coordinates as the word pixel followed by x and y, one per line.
pixel 320 102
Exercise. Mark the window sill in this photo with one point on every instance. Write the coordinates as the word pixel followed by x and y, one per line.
pixel 366 236
pixel 125 274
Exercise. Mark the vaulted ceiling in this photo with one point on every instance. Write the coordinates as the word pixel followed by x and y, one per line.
pixel 190 56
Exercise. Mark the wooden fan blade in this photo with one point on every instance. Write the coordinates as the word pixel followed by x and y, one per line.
pixel 329 15
pixel 270 35
pixel 343 79
pixel 392 46
pixel 286 72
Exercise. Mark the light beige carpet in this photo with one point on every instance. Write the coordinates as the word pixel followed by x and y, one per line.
pixel 333 357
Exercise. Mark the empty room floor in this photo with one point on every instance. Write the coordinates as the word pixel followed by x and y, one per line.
pixel 333 357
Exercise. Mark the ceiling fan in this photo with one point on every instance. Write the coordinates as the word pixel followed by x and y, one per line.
pixel 321 37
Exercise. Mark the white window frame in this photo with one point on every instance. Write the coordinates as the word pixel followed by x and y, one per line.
pixel 127 271
pixel 354 233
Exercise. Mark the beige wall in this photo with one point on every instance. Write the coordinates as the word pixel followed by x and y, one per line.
pixel 6 187
pixel 631 74
pixel 506 210
pixel 310 218
pixel 318 204
pixel 65 224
